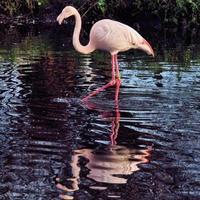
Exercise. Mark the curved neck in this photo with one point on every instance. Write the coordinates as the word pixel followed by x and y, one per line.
pixel 76 37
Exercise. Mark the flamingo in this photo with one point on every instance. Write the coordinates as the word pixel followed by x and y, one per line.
pixel 107 35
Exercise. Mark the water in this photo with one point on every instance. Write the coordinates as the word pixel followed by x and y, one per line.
pixel 145 144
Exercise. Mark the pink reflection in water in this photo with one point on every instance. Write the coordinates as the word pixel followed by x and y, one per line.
pixel 106 167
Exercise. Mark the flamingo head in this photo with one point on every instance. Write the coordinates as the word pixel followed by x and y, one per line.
pixel 68 11
pixel 145 46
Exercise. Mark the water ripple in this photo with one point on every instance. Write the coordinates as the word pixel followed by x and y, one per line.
pixel 142 143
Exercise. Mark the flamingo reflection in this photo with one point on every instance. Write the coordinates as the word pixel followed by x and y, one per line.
pixel 115 120
pixel 104 167
pixel 108 166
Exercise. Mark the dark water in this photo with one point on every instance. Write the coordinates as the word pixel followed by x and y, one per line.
pixel 146 145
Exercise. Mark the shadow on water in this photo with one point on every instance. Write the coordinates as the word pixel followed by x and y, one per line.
pixel 137 140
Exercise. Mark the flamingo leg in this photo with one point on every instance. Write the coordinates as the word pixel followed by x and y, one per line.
pixel 111 83
pixel 113 68
pixel 118 84
pixel 117 67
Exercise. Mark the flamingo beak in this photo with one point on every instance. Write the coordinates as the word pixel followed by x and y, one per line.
pixel 60 18
pixel 145 46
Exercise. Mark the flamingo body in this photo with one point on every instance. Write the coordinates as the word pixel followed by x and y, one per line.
pixel 114 37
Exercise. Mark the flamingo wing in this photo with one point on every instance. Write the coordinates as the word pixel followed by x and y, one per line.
pixel 114 36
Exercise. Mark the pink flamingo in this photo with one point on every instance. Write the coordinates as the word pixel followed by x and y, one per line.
pixel 108 35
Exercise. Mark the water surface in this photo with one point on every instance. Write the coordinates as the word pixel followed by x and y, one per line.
pixel 144 145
